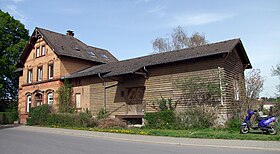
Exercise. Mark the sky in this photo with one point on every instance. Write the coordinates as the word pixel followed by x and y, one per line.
pixel 127 27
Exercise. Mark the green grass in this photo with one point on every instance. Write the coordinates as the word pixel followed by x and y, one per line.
pixel 194 133
pixel 206 133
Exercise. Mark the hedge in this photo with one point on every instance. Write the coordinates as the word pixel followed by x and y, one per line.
pixel 8 117
pixel 38 115
pixel 160 120
pixel 41 115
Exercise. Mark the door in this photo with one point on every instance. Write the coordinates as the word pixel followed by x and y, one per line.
pixel 135 101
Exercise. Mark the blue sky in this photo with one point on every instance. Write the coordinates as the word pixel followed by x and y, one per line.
pixel 127 27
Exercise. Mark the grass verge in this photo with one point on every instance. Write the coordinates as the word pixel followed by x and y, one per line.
pixel 194 133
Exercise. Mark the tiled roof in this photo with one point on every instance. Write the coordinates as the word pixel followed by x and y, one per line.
pixel 70 46
pixel 65 45
pixel 133 65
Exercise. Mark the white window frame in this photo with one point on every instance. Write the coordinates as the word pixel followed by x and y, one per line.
pixel 236 90
pixel 37 52
pixel 29 76
pixel 50 69
pixel 28 103
pixel 43 50
pixel 78 100
pixel 50 98
pixel 40 73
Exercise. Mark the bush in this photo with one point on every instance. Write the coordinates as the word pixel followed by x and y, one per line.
pixel 111 123
pixel 38 115
pixel 71 120
pixel 63 119
pixel 233 124
pixel 160 120
pixel 8 117
pixel 196 117
pixel 102 114
pixel 164 104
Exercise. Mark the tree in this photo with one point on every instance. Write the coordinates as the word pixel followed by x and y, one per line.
pixel 66 105
pixel 13 37
pixel 276 72
pixel 178 40
pixel 254 83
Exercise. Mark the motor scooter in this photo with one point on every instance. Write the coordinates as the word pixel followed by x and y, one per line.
pixel 264 123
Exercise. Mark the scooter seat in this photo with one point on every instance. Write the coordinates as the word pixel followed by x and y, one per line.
pixel 262 118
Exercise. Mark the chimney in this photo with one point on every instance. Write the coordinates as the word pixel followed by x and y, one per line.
pixel 70 33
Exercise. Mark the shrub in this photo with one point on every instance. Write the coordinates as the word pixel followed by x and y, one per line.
pixel 276 109
pixel 8 117
pixel 38 115
pixel 63 119
pixel 111 123
pixel 71 120
pixel 164 104
pixel 66 105
pixel 233 124
pixel 162 119
pixel 196 117
pixel 102 114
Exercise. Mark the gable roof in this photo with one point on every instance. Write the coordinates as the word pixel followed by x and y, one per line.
pixel 133 65
pixel 65 45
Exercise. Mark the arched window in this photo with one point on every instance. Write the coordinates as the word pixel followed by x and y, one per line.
pixel 39 99
pixel 50 98
pixel 28 103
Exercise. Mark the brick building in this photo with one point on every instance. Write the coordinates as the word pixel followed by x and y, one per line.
pixel 126 88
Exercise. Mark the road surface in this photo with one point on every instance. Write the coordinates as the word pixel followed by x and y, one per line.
pixel 38 140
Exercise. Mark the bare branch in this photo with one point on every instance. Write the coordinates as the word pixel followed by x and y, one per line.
pixel 178 40
pixel 254 83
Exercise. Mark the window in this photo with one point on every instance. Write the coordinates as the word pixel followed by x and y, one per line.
pixel 91 54
pixel 78 100
pixel 37 52
pixel 43 50
pixel 28 103
pixel 50 71
pixel 236 90
pixel 50 98
pixel 39 99
pixel 39 74
pixel 29 76
pixel 103 56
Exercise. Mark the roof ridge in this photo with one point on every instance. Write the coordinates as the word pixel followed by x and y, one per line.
pixel 162 53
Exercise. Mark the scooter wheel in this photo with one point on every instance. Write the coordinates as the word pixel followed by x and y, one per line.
pixel 272 131
pixel 244 129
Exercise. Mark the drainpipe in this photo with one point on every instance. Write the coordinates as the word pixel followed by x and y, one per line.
pixel 104 85
pixel 221 88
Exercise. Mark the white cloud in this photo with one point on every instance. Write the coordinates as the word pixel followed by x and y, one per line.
pixel 199 19
pixel 17 1
pixel 13 10
pixel 158 10
pixel 142 1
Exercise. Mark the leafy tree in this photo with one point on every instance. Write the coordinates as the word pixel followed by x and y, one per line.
pixel 178 40
pixel 13 37
pixel 276 72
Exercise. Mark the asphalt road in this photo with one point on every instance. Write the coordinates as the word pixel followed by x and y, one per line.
pixel 17 140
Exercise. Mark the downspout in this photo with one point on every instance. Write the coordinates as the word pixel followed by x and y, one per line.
pixel 221 87
pixel 104 86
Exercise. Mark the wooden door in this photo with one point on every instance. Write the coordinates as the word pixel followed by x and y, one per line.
pixel 134 102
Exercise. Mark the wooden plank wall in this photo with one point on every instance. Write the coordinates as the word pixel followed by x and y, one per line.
pixel 234 70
